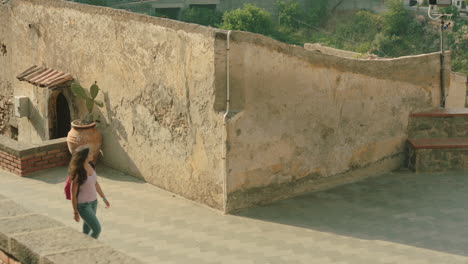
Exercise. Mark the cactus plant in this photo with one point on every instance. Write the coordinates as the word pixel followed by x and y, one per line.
pixel 90 101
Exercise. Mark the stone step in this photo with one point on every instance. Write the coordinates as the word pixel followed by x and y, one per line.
pixel 438 154
pixel 439 123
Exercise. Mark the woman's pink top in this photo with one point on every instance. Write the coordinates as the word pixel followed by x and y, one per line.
pixel 87 191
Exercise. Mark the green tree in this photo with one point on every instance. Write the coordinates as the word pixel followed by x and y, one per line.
pixel 202 16
pixel 93 2
pixel 318 13
pixel 289 13
pixel 249 18
pixel 397 19
pixel 360 32
pixel 404 33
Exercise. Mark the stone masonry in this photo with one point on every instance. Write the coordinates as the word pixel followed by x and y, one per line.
pixel 438 141
pixel 34 238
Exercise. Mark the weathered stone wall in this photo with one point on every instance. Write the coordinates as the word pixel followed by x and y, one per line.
pixel 157 81
pixel 6 89
pixel 305 116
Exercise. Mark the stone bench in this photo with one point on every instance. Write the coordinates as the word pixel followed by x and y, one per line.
pixel 22 158
pixel 438 154
pixel 30 238
pixel 439 143
pixel 438 140
pixel 439 123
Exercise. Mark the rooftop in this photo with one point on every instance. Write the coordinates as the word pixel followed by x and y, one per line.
pixel 399 217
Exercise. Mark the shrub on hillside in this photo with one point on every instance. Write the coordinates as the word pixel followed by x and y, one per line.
pixel 360 32
pixel 289 13
pixel 249 18
pixel 404 34
pixel 318 13
pixel 202 16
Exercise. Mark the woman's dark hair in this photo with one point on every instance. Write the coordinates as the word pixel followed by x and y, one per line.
pixel 76 169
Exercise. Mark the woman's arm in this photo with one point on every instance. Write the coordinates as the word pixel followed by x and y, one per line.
pixel 74 192
pixel 101 193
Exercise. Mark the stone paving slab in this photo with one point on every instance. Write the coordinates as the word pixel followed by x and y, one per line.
pixel 398 217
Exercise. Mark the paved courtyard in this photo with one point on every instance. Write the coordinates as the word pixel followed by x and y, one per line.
pixel 398 217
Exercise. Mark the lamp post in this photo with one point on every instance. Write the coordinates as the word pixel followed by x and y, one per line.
pixel 443 27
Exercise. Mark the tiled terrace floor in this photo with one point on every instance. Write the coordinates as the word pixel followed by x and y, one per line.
pixel 398 217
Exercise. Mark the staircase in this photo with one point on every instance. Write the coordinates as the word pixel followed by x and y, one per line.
pixel 438 140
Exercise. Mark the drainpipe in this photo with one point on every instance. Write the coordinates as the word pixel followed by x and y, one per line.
pixel 442 63
pixel 225 117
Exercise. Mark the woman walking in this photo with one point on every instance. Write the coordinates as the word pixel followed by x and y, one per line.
pixel 84 189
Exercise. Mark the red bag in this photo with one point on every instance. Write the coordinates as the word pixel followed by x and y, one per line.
pixel 67 188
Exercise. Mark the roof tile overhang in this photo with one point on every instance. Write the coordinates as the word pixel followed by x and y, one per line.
pixel 44 77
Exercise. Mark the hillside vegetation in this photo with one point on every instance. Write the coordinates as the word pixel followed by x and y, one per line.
pixel 398 32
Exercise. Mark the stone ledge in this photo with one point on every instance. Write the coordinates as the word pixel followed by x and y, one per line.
pixel 23 224
pixel 22 158
pixel 21 149
pixel 34 238
pixel 89 255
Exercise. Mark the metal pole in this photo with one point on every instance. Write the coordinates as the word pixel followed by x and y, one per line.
pixel 442 63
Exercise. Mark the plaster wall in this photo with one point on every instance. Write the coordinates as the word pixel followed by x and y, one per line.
pixel 6 90
pixel 303 116
pixel 157 81
pixel 456 92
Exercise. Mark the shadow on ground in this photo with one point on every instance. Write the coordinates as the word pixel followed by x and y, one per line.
pixel 58 175
pixel 422 210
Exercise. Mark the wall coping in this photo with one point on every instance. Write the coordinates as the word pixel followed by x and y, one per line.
pixel 119 14
pixel 382 68
pixel 23 149
pixel 337 52
pixel 35 238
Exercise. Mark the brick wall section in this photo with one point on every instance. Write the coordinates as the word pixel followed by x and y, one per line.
pixel 43 160
pixel 22 159
pixel 6 259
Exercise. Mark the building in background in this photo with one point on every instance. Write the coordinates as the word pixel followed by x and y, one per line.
pixel 173 8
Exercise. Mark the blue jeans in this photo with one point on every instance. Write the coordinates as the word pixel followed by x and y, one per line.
pixel 91 225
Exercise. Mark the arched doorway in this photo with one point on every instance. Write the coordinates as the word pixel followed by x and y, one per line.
pixel 63 116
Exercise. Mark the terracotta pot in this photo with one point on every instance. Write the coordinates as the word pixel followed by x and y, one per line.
pixel 80 135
